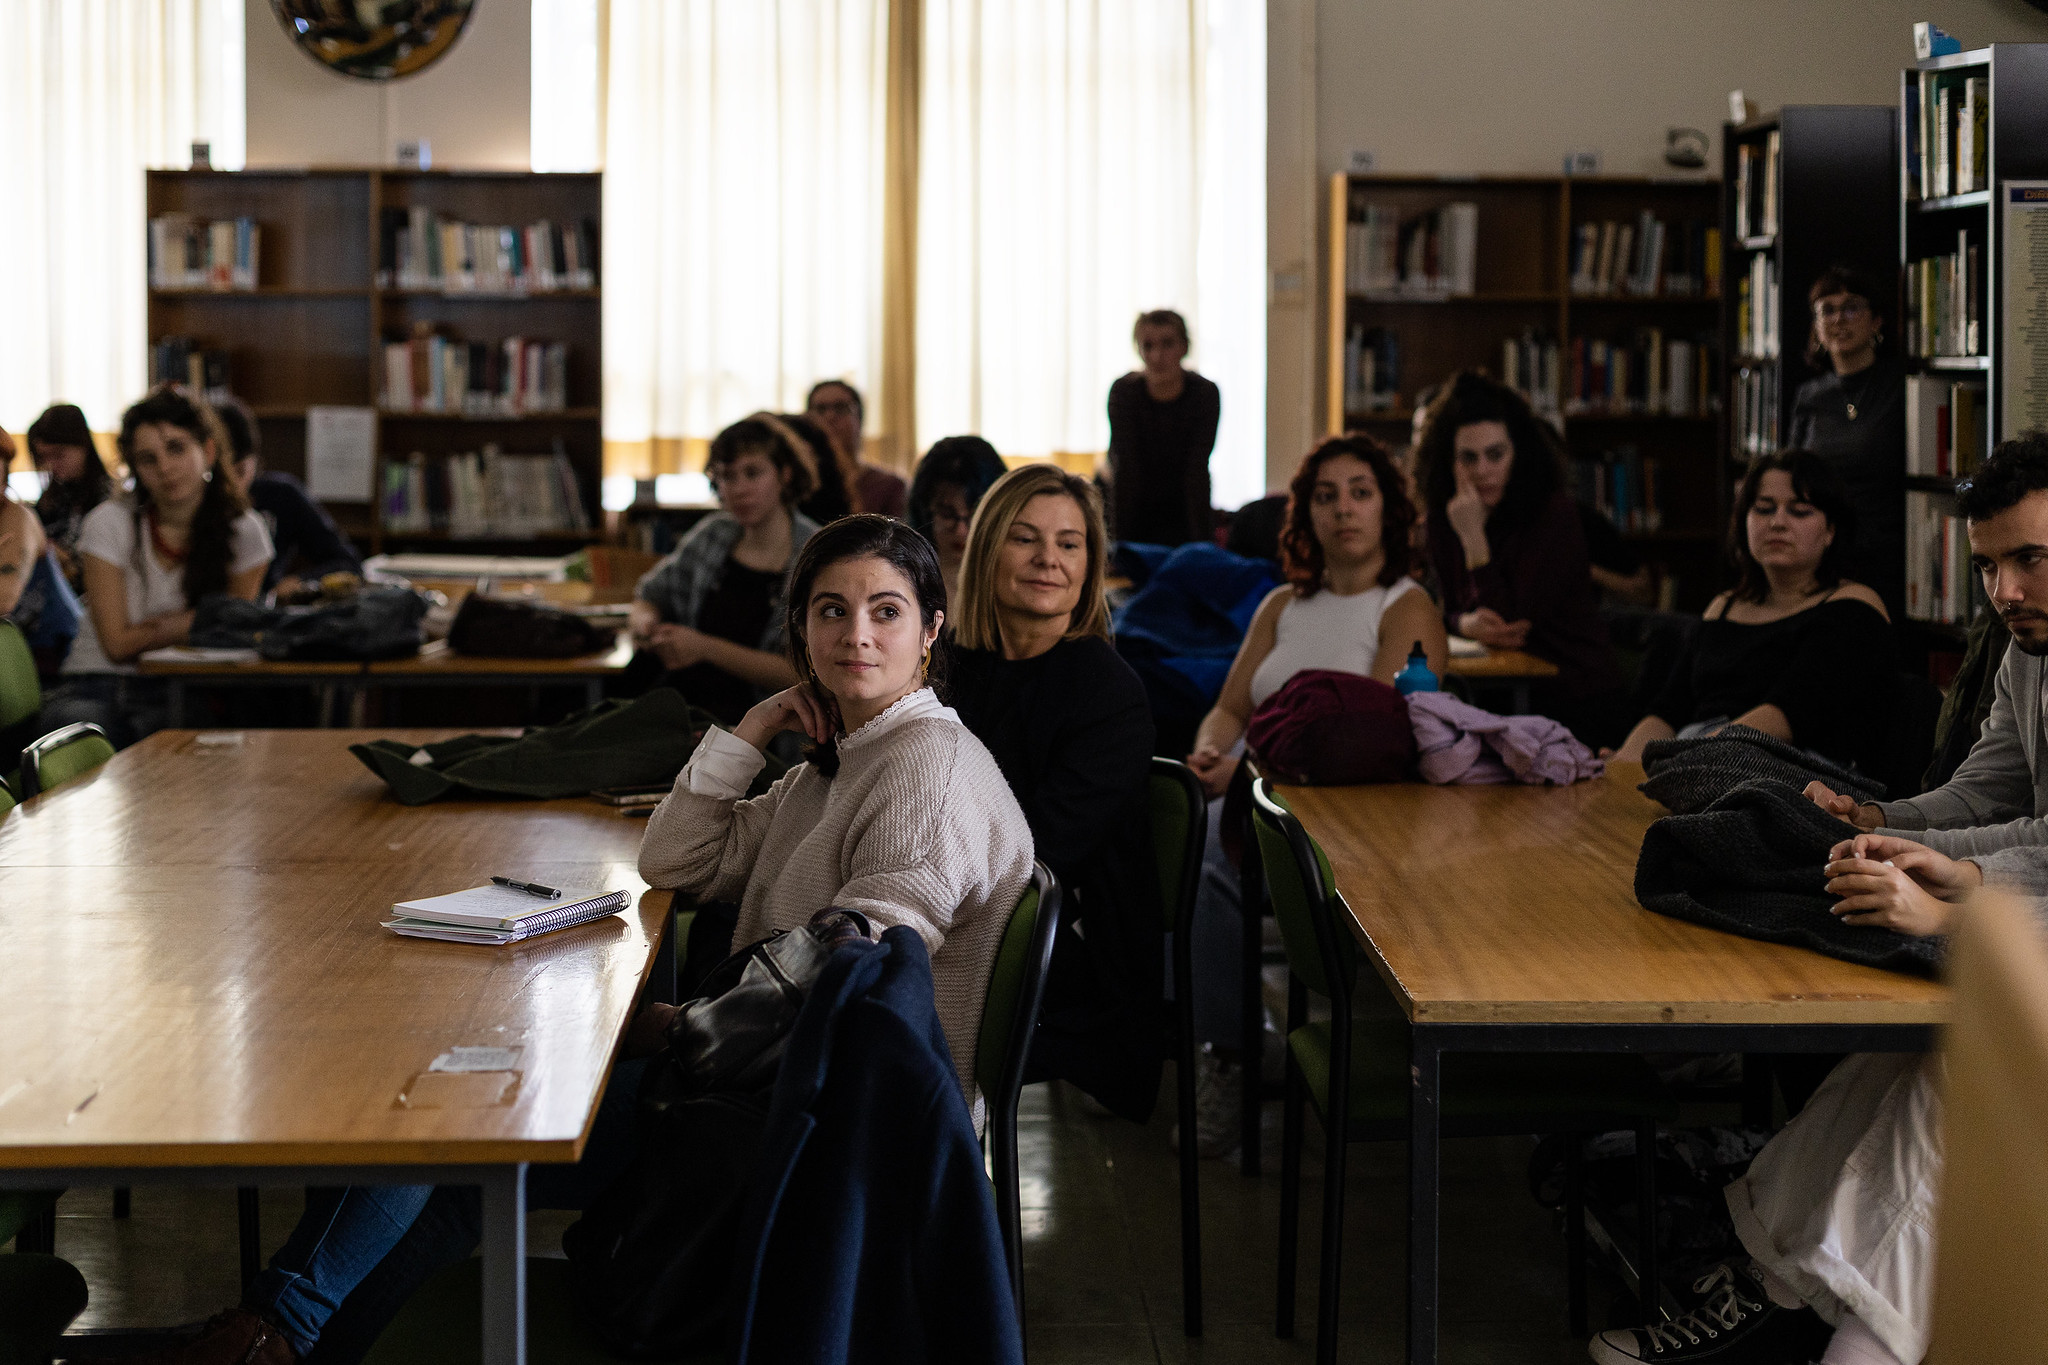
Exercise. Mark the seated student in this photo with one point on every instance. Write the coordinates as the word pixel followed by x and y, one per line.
pixel 1998 797
pixel 948 486
pixel 1349 603
pixel 60 443
pixel 305 542
pixel 712 611
pixel 34 594
pixel 1035 677
pixel 837 475
pixel 900 814
pixel 1837 1212
pixel 1505 541
pixel 184 533
pixel 21 538
pixel 838 407
pixel 1794 649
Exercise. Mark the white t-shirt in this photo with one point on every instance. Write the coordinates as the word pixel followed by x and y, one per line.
pixel 1330 630
pixel 108 533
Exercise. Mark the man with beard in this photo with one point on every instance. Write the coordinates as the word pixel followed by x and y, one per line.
pixel 1998 797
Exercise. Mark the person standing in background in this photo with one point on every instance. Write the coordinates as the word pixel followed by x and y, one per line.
pixel 1162 428
pixel 1854 417
pixel 838 407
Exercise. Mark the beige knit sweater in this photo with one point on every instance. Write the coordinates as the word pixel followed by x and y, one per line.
pixel 918 829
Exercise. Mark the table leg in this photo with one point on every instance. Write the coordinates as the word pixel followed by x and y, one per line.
pixel 1424 1097
pixel 504 1297
pixel 174 700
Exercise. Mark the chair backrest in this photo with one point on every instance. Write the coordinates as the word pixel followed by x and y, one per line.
pixel 1016 987
pixel 1994 1140
pixel 21 695
pixel 6 803
pixel 1180 829
pixel 61 755
pixel 1303 891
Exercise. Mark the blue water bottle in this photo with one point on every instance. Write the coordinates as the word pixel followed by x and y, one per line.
pixel 1416 677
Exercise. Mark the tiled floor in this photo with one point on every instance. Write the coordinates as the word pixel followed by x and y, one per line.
pixel 1102 1253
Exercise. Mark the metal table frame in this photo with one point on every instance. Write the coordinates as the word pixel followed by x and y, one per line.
pixel 1430 1042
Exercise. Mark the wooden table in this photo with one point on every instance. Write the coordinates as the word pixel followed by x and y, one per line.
pixel 335 681
pixel 1505 919
pixel 196 989
pixel 1510 666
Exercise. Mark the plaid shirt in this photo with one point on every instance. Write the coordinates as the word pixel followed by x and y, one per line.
pixel 679 584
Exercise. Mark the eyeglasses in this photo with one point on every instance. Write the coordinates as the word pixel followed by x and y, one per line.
pixel 833 407
pixel 946 516
pixel 1848 310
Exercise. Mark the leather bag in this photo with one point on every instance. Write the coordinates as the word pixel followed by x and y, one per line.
pixel 495 627
pixel 377 623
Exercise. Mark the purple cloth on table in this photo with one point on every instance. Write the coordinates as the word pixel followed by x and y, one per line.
pixel 1461 743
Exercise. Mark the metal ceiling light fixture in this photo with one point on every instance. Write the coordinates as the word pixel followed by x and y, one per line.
pixel 374 40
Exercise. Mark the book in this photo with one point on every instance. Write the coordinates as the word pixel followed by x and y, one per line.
pixel 500 914
pixel 485 494
pixel 1427 255
pixel 418 249
pixel 191 253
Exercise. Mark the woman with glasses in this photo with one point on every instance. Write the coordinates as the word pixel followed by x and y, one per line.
pixel 949 483
pixel 1854 417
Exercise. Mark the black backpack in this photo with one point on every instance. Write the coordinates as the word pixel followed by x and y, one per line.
pixel 497 627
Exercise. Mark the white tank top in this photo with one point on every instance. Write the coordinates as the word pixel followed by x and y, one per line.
pixel 1326 631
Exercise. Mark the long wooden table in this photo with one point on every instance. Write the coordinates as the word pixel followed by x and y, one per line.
pixel 196 988
pixel 1504 919
pixel 1513 667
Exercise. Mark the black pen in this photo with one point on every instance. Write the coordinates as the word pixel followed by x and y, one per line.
pixel 552 893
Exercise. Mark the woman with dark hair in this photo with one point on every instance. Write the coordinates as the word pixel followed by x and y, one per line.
pixel 1349 603
pixel 1035 677
pixel 1854 417
pixel 1795 649
pixel 305 542
pixel 712 612
pixel 61 446
pixel 949 483
pixel 1162 428
pixel 1509 552
pixel 837 475
pixel 186 532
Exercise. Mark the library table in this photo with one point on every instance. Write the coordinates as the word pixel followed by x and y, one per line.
pixel 1510 666
pixel 197 991
pixel 436 665
pixel 1504 918
pixel 327 678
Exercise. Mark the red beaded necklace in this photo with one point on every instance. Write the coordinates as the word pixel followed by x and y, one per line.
pixel 169 555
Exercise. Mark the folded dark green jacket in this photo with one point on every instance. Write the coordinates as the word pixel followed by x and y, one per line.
pixel 614 744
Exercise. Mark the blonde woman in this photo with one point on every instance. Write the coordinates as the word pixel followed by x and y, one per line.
pixel 1034 676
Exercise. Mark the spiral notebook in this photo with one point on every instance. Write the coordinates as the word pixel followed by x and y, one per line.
pixel 500 914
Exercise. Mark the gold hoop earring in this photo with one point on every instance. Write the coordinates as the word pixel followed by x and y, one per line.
pixel 925 665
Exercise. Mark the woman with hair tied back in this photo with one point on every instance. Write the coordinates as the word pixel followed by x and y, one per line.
pixel 1035 677
pixel 1509 553
pixel 1162 428
pixel 75 481
pixel 185 532
pixel 1795 649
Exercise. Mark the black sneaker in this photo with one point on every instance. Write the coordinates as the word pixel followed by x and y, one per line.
pixel 1735 1324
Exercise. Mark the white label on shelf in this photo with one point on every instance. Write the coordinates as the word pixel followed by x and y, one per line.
pixel 341 453
pixel 2023 309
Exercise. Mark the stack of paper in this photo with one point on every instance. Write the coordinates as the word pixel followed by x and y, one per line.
pixel 500 914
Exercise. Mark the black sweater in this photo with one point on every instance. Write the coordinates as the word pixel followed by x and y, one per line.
pixel 304 538
pixel 1072 732
pixel 1829 668
pixel 1159 460
pixel 1867 454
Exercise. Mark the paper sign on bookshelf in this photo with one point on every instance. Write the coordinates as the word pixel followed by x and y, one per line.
pixel 341 452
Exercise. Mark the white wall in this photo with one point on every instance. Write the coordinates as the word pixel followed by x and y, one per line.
pixel 472 106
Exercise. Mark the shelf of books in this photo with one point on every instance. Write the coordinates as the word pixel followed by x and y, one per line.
pixel 1972 157
pixel 1595 296
pixel 462 309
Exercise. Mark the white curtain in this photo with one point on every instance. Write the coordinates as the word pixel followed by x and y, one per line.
pixel 743 210
pixel 1079 163
pixel 91 93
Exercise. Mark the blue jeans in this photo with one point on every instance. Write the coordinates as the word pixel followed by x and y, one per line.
pixel 339 1240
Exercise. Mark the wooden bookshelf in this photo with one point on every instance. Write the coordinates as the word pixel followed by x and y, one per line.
pixel 1836 184
pixel 1522 283
pixel 313 329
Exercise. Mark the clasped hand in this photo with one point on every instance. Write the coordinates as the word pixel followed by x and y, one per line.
pixel 1491 629
pixel 1846 808
pixel 1213 769
pixel 796 709
pixel 677 646
pixel 1891 883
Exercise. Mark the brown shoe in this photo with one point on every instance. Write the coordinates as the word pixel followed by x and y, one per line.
pixel 235 1337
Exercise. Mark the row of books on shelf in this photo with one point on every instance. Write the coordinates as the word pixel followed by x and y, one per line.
pixel 1948 426
pixel 181 360
pixel 433 373
pixel 1945 302
pixel 1756 410
pixel 1940 584
pixel 1948 146
pixel 191 253
pixel 1533 365
pixel 1649 375
pixel 484 493
pixel 1433 254
pixel 1647 258
pixel 419 249
pixel 1372 369
pixel 1622 484
pixel 1759 185
pixel 1756 308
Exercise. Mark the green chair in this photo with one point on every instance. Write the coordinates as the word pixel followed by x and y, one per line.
pixel 40 1295
pixel 6 799
pixel 1180 828
pixel 1009 1016
pixel 21 696
pixel 1356 1071
pixel 61 755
